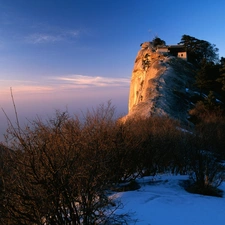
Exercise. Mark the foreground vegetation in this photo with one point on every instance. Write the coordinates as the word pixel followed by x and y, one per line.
pixel 61 171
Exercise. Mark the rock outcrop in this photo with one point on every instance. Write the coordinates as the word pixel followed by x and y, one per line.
pixel 160 85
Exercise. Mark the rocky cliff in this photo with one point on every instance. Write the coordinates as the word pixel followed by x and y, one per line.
pixel 160 85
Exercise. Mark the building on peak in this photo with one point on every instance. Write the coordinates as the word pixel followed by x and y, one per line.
pixel 174 50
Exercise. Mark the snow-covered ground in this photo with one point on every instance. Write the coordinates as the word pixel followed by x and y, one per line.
pixel 163 201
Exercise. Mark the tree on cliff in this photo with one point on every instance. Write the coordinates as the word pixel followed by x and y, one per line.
pixel 157 41
pixel 221 79
pixel 199 49
pixel 203 78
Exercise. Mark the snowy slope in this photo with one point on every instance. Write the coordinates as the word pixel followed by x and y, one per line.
pixel 163 201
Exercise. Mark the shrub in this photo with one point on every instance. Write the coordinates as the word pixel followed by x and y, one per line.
pixel 60 170
pixel 208 171
pixel 160 144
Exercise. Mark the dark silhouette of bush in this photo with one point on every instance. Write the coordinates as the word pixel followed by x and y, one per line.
pixel 160 144
pixel 60 170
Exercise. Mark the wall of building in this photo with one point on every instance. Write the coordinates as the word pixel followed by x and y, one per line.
pixel 182 55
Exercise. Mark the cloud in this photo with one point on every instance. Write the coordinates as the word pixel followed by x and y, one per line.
pixel 42 38
pixel 81 81
pixel 23 86
pixel 51 37
pixel 33 88
pixel 64 83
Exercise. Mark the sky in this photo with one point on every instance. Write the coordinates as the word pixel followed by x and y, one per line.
pixel 76 54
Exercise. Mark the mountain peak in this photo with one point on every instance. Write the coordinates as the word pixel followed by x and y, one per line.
pixel 160 84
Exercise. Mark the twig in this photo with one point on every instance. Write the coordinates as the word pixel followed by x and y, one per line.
pixel 14 106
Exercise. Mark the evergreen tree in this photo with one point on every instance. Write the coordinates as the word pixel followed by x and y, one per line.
pixel 199 50
pixel 210 101
pixel 157 41
pixel 202 78
pixel 221 79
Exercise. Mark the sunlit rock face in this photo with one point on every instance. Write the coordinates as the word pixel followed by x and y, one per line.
pixel 160 85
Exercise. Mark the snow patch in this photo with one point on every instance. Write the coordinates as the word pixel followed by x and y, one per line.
pixel 161 200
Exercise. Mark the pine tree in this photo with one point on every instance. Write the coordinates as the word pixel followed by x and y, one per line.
pixel 202 77
pixel 198 49
pixel 157 41
pixel 221 79
pixel 210 101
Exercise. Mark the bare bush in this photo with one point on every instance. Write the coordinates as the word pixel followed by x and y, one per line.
pixel 207 173
pixel 206 155
pixel 160 144
pixel 61 170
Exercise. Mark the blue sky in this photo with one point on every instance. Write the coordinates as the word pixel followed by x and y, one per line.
pixel 75 54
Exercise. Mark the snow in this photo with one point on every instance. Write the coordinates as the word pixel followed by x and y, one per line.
pixel 163 201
